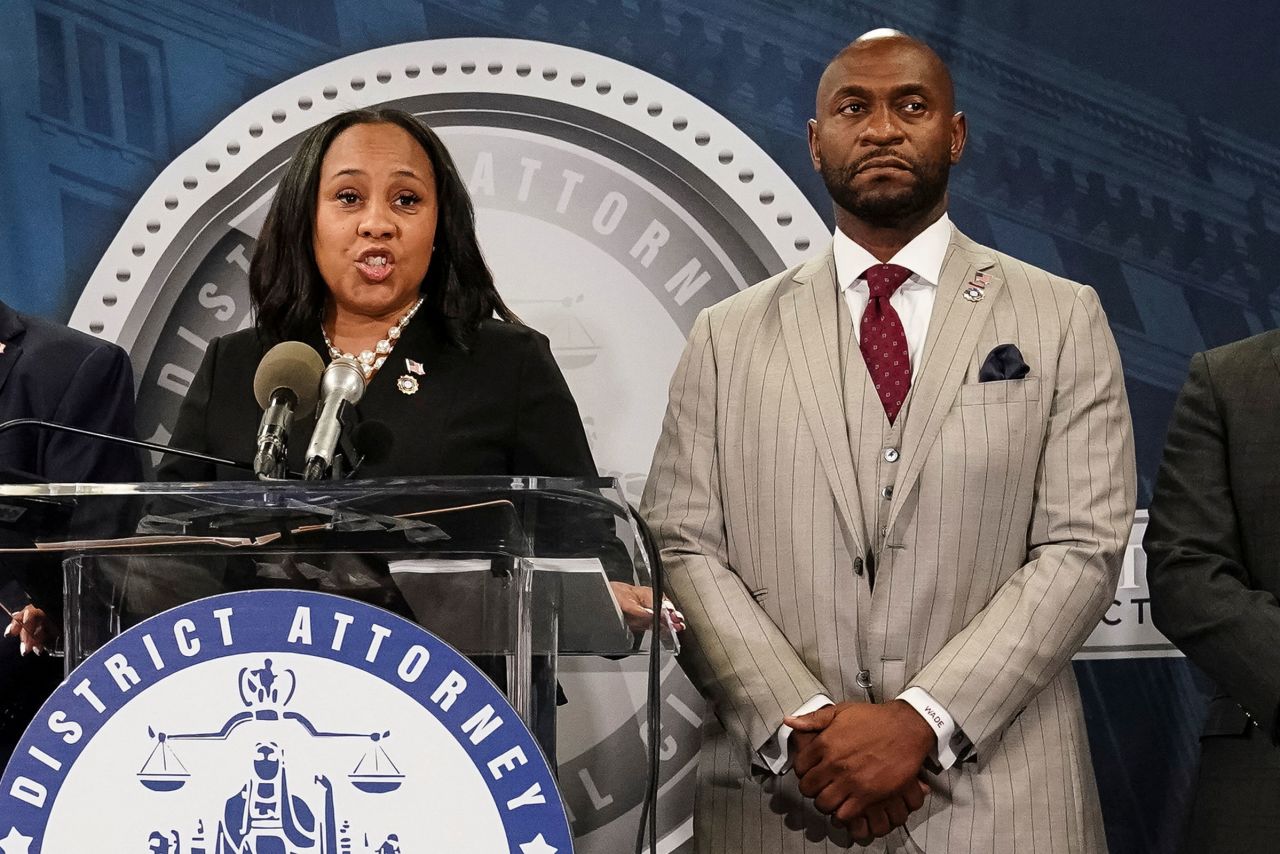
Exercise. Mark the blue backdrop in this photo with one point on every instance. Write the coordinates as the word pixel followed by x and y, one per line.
pixel 1127 145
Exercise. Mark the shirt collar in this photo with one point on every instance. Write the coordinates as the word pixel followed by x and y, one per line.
pixel 923 256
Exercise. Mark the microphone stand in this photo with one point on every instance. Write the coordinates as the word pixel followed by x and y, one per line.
pixel 347 459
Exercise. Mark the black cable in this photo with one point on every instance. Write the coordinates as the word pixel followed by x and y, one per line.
pixel 649 805
pixel 123 440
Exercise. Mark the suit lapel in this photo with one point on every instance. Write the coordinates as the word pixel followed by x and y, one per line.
pixel 954 327
pixel 810 316
pixel 12 330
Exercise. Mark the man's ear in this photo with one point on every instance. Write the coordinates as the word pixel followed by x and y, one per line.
pixel 959 136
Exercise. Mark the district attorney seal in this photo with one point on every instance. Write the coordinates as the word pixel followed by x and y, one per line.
pixel 280 720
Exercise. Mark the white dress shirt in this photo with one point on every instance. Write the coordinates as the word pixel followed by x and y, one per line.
pixel 913 301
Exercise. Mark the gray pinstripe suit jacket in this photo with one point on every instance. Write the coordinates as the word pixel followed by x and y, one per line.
pixel 996 554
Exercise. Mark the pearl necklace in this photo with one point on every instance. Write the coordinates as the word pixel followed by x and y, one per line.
pixel 371 360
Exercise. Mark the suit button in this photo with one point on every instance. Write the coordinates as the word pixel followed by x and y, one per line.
pixel 857 566
pixel 864 679
pixel 890 455
pixel 887 492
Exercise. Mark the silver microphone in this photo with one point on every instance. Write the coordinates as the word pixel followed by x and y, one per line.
pixel 341 386
pixel 285 386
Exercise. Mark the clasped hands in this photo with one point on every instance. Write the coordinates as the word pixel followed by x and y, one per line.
pixel 862 764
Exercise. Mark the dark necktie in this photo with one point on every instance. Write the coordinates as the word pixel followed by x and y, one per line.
pixel 883 340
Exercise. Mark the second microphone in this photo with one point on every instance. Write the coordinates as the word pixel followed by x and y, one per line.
pixel 341 388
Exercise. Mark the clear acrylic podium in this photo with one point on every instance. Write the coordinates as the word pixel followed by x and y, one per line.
pixel 511 571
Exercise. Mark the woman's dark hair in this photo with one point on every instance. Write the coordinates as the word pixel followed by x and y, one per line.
pixel 284 282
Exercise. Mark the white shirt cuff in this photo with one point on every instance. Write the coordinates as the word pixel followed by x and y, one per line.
pixel 774 753
pixel 952 742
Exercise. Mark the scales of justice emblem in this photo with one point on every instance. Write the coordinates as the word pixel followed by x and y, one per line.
pixel 267 815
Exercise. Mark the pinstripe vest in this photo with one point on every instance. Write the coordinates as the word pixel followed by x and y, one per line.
pixel 877 454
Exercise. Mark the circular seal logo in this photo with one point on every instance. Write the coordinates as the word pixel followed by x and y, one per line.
pixel 279 721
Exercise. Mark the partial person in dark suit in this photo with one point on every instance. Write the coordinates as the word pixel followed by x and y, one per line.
pixel 1213 566
pixel 53 373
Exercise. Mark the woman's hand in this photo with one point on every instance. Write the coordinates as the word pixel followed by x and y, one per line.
pixel 637 607
pixel 33 629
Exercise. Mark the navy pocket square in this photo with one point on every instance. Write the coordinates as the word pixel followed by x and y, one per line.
pixel 1003 363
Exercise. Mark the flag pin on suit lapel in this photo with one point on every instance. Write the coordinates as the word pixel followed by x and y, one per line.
pixel 976 289
pixel 408 383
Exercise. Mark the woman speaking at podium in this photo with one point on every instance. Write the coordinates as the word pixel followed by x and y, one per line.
pixel 369 251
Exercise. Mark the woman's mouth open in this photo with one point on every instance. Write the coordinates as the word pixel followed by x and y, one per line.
pixel 375 266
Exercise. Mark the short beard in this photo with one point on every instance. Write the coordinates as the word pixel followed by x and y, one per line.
pixel 887 209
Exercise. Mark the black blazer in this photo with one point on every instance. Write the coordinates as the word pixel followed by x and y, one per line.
pixel 499 408
pixel 1213 540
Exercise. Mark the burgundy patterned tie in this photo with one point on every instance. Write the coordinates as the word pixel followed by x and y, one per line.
pixel 883 340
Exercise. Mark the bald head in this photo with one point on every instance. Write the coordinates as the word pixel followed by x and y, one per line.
pixel 888 51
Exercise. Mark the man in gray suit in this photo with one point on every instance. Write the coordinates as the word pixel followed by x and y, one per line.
pixel 892 491
pixel 1213 564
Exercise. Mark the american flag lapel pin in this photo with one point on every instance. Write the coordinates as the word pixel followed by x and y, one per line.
pixel 975 291
pixel 408 383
